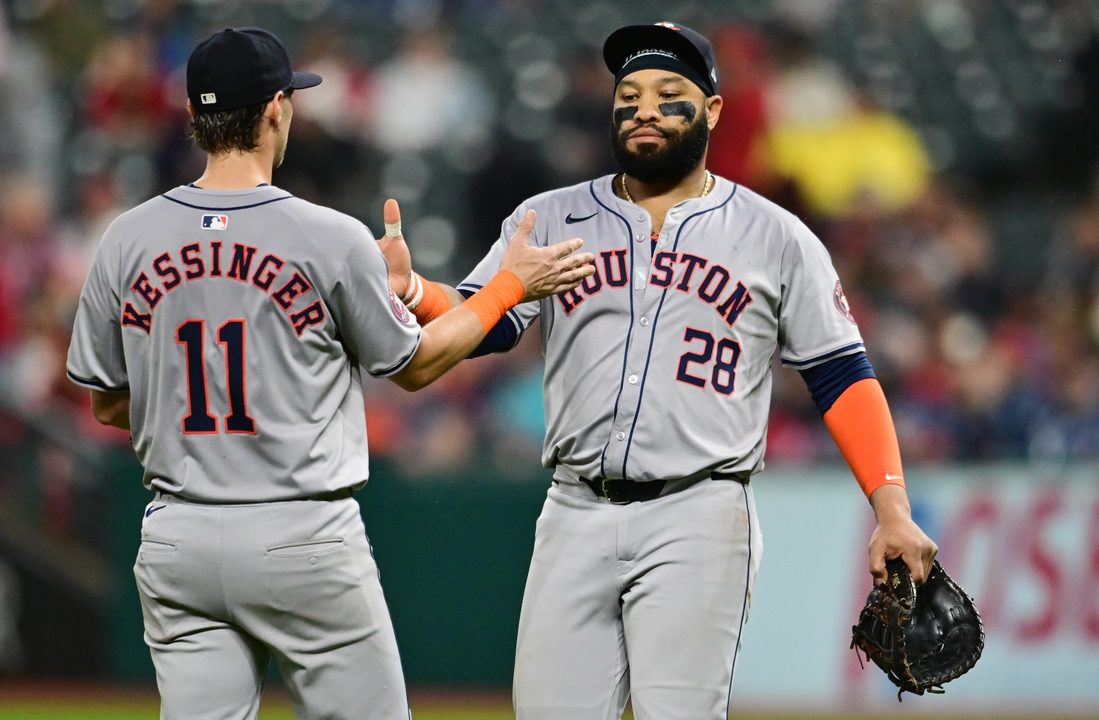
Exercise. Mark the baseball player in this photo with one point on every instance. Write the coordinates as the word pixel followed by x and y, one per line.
pixel 224 323
pixel 657 387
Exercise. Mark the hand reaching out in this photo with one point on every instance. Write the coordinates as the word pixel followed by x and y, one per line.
pixel 544 271
pixel 549 270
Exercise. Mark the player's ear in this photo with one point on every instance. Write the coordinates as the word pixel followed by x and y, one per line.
pixel 713 110
pixel 190 110
pixel 273 110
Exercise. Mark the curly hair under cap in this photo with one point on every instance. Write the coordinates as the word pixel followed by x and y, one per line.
pixel 228 130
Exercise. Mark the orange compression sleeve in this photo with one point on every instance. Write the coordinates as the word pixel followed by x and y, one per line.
pixel 500 294
pixel 862 428
pixel 432 304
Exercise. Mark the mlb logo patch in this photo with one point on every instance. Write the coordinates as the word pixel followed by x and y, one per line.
pixel 208 98
pixel 215 222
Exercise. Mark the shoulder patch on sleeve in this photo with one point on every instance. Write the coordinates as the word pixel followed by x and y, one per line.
pixel 398 307
pixel 841 303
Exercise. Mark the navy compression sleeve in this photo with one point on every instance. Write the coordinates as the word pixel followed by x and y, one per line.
pixel 829 379
pixel 501 338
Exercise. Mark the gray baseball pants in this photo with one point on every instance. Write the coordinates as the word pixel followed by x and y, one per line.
pixel 225 589
pixel 644 601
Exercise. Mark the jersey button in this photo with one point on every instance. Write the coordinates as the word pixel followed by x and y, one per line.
pixel 644 321
pixel 640 217
pixel 620 436
pixel 639 238
pixel 632 379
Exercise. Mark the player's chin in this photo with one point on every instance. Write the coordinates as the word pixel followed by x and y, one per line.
pixel 647 152
pixel 646 146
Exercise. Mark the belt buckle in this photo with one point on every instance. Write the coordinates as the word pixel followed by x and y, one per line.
pixel 614 492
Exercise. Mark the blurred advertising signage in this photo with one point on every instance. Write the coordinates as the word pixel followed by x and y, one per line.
pixel 1023 542
pixel 1025 545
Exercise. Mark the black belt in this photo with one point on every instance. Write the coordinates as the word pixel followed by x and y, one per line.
pixel 623 492
pixel 332 495
pixel 341 494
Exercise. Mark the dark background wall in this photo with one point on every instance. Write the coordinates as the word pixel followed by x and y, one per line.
pixel 452 553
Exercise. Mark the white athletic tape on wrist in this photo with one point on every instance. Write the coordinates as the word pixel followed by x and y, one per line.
pixel 413 285
pixel 417 294
pixel 393 229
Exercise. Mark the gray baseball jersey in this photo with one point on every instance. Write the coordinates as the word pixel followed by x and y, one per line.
pixel 659 365
pixel 239 321
pixel 658 368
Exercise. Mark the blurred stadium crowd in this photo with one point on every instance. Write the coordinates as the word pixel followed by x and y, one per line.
pixel 944 150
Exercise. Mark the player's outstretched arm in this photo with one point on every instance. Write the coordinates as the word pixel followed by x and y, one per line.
pixel 527 272
pixel 862 428
pixel 428 300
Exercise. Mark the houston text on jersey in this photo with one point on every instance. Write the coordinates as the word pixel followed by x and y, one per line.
pixel 710 283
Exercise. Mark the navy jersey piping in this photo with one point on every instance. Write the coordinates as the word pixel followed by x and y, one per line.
pixel 629 331
pixel 743 603
pixel 225 209
pixel 96 383
pixel 825 356
pixel 652 334
pixel 402 362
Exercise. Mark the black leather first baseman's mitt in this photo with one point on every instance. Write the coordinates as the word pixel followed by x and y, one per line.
pixel 921 637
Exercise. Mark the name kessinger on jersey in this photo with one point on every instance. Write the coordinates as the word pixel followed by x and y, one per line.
pixel 197 262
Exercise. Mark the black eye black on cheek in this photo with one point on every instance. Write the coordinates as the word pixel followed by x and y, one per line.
pixel 680 107
pixel 623 114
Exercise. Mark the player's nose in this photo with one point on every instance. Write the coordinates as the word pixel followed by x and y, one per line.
pixel 648 110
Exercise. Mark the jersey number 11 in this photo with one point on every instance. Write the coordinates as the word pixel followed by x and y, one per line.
pixel 198 419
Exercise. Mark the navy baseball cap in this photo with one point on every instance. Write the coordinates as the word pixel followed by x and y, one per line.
pixel 238 67
pixel 663 46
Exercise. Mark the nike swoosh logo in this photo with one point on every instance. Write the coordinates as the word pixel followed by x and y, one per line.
pixel 569 219
pixel 152 510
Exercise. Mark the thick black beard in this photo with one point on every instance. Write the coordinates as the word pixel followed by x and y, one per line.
pixel 681 154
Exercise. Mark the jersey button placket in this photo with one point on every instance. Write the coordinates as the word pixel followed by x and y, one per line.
pixel 614 459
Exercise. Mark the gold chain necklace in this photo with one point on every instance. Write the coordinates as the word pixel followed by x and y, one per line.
pixel 706 187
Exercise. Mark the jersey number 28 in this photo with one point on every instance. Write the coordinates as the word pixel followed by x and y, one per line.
pixel 725 353
pixel 198 419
